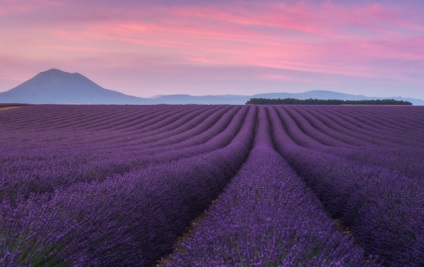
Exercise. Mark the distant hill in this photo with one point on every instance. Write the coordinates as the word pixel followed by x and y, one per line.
pixel 242 99
pixel 207 99
pixel 58 87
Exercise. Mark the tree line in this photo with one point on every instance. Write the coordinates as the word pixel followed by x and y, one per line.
pixel 310 101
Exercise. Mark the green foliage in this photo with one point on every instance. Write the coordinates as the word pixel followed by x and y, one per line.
pixel 25 250
pixel 310 101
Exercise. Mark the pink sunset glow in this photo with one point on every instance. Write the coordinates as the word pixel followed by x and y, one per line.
pixel 147 48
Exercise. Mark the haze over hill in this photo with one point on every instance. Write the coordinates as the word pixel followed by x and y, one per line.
pixel 58 87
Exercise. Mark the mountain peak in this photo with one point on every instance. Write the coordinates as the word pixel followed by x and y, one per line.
pixel 56 72
pixel 60 87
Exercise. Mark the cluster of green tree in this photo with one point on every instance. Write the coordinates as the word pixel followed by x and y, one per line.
pixel 310 101
pixel 6 105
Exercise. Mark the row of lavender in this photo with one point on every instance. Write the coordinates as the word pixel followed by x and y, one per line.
pixel 39 161
pixel 131 218
pixel 378 197
pixel 360 135
pixel 141 174
pixel 266 216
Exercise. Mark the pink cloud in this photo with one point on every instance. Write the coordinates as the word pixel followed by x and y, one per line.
pixel 51 2
pixel 14 9
pixel 359 40
pixel 230 44
pixel 279 77
pixel 77 48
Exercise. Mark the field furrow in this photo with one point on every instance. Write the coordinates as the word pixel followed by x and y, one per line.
pixel 128 219
pixel 266 217
pixel 381 206
pixel 211 185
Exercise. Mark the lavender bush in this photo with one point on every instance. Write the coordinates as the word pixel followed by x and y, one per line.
pixel 266 217
pixel 119 185
pixel 128 219
pixel 381 206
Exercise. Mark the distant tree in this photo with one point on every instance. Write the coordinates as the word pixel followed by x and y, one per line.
pixel 310 101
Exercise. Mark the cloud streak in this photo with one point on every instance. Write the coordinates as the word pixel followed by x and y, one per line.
pixel 366 41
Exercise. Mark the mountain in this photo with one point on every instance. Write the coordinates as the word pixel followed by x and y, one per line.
pixel 315 94
pixel 241 99
pixel 207 99
pixel 58 87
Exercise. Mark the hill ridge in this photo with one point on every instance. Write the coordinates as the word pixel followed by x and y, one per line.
pixel 55 86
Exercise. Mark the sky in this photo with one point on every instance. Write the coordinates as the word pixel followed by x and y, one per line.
pixel 147 48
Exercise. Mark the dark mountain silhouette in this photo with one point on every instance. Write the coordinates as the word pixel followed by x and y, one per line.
pixel 58 87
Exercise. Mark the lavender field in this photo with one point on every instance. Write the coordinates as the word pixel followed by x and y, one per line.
pixel 209 185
